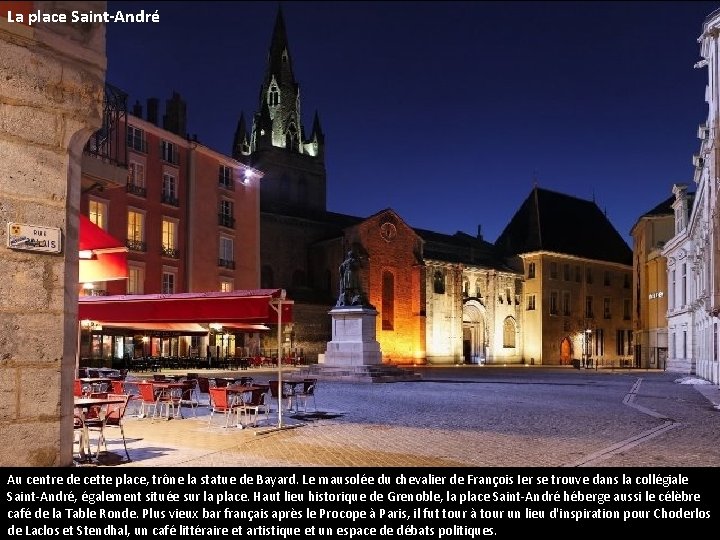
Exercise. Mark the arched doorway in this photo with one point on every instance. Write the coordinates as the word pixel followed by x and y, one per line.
pixel 475 334
pixel 565 351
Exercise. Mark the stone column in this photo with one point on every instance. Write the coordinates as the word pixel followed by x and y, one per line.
pixel 52 79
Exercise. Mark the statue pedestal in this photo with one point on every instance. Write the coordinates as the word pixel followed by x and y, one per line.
pixel 353 337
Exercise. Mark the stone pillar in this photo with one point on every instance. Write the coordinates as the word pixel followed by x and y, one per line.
pixel 52 79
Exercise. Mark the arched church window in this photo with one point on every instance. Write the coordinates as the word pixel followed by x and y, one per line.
pixel 291 137
pixel 274 96
pixel 388 301
pixel 509 333
pixel 466 287
pixel 439 282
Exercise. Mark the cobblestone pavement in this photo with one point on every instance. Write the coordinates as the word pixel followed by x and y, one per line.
pixel 452 417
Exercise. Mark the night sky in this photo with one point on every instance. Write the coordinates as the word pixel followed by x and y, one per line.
pixel 447 112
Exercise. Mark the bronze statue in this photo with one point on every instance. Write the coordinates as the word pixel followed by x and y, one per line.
pixel 351 293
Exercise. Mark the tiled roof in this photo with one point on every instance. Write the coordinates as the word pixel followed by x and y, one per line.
pixel 552 221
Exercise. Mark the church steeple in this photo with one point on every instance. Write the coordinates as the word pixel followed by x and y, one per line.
pixel 294 166
pixel 317 137
pixel 279 54
pixel 241 142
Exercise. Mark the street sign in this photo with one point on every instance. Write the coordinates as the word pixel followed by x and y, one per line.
pixel 34 238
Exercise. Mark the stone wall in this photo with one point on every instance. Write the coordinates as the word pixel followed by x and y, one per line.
pixel 51 91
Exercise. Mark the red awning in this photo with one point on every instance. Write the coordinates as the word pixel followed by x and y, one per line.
pixel 102 256
pixel 251 306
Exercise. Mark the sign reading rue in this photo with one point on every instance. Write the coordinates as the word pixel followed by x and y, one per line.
pixel 33 238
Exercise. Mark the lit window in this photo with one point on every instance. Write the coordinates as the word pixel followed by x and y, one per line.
pixel 169 238
pixel 97 212
pixel 136 278
pixel 226 286
pixel 135 231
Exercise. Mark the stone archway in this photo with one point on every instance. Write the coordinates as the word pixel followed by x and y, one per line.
pixel 475 333
pixel 52 89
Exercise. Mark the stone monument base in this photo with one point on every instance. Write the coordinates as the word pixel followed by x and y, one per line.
pixel 377 373
pixel 354 353
pixel 353 338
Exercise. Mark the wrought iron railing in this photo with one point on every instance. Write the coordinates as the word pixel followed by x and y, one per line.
pixel 140 191
pixel 136 245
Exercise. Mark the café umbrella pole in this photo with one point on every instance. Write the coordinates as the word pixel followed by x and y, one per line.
pixel 277 305
pixel 279 359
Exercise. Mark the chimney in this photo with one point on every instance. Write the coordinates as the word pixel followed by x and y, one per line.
pixel 152 110
pixel 175 119
pixel 137 109
pixel 479 233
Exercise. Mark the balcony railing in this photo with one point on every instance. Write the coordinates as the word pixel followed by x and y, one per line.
pixel 136 245
pixel 107 142
pixel 140 191
pixel 169 199
pixel 227 263
pixel 226 221
pixel 173 253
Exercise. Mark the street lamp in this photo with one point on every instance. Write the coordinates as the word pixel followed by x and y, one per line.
pixel 587 334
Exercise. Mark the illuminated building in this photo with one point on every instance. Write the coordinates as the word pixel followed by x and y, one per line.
pixel 650 294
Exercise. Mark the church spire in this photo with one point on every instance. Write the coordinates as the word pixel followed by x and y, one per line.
pixel 241 144
pixel 294 166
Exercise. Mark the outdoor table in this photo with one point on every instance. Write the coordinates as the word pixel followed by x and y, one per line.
pixel 97 382
pixel 85 404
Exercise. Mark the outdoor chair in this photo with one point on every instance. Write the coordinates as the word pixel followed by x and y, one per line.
pixel 307 393
pixel 286 395
pixel 148 399
pixel 253 404
pixel 189 396
pixel 223 402
pixel 112 418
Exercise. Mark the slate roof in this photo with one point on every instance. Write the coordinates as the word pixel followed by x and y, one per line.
pixel 552 221
pixel 461 248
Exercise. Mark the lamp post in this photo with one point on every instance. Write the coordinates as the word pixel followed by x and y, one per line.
pixel 587 334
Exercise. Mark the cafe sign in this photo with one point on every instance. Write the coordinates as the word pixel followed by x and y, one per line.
pixel 33 238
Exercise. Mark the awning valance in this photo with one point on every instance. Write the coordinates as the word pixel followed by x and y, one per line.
pixel 186 328
pixel 234 307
